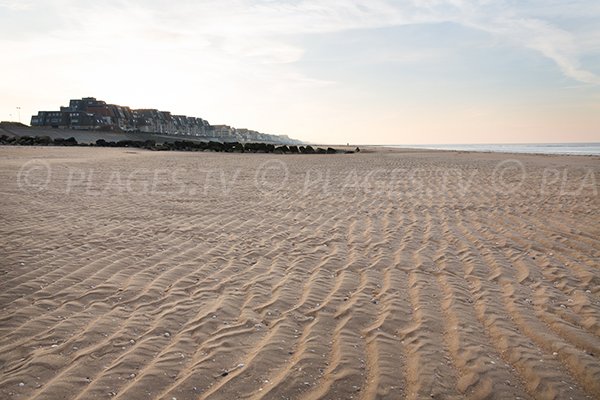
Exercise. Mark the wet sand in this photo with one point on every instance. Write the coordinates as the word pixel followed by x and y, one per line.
pixel 391 274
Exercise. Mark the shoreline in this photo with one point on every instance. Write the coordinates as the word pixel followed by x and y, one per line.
pixel 508 151
pixel 341 151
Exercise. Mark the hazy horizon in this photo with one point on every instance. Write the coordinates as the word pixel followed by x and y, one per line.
pixel 385 72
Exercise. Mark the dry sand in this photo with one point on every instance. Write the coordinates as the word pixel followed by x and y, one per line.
pixel 143 275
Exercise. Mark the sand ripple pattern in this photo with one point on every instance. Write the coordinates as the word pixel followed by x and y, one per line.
pixel 367 276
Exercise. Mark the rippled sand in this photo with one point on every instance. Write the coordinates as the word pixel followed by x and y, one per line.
pixel 141 275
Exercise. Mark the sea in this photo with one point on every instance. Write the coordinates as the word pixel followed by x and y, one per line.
pixel 531 148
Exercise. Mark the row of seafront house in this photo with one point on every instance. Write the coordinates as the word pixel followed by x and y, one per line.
pixel 89 113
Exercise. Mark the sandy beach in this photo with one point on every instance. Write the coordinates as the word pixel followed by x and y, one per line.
pixel 132 274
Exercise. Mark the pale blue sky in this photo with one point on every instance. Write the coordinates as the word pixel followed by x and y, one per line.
pixel 382 72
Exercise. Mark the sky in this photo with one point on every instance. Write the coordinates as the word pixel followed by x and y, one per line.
pixel 323 71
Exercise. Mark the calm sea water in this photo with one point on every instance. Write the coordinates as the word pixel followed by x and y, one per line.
pixel 533 148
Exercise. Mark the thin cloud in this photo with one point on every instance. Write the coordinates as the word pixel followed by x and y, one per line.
pixel 16 5
pixel 259 29
pixel 514 23
pixel 554 43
